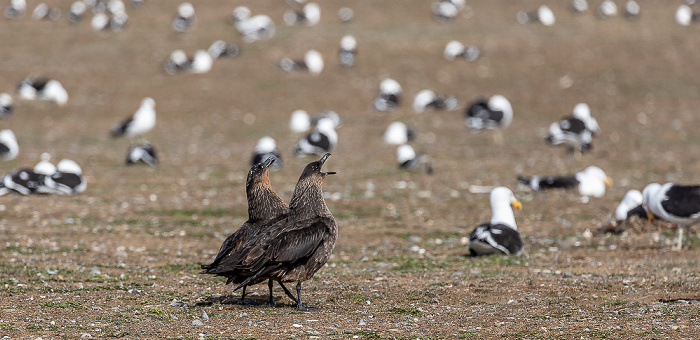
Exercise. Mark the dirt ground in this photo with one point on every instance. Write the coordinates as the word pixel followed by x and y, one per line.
pixel 122 259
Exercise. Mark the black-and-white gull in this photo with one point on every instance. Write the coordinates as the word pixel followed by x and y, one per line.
pixel 327 114
pixel 445 10
pixel 494 114
pixel 184 18
pixel 321 140
pixel 543 15
pixel 583 112
pixel 264 149
pixel 579 6
pixel 299 121
pixel 685 15
pixel 628 212
pixel 500 235
pixel 67 179
pixel 110 17
pixel 455 49
pixel 142 121
pixel 606 9
pixel 259 27
pixel 576 131
pixel 178 61
pixel 9 149
pixel 44 168
pixel 77 11
pixel 408 159
pixel 33 88
pixel 630 205
pixel 592 181
pixel 31 181
pixel 43 12
pixel 312 62
pixel 7 105
pixel 221 49
pixel 141 153
pixel 398 133
pixel 309 15
pixel 428 99
pixel 632 9
pixel 389 96
pixel 23 181
pixel 201 62
pixel 678 204
pixel 100 21
pixel 15 9
pixel 347 54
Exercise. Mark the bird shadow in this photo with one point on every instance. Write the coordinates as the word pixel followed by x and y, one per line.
pixel 259 301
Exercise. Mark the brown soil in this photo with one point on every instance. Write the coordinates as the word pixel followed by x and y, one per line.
pixel 121 259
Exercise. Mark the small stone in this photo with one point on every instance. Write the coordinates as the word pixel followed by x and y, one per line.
pixel 134 291
pixel 587 234
pixel 177 304
pixel 86 335
pixel 205 317
pixel 197 322
pixel 362 323
pixel 297 325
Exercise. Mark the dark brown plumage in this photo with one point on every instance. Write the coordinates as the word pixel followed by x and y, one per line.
pixel 265 208
pixel 295 248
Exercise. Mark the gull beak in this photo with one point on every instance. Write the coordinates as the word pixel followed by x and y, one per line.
pixel 608 181
pixel 516 204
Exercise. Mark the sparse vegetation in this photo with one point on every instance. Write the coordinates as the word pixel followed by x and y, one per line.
pixel 406 311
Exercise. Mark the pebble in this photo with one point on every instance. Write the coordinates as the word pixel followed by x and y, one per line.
pixel 177 304
pixel 205 317
pixel 362 323
pixel 197 323
pixel 86 335
pixel 134 291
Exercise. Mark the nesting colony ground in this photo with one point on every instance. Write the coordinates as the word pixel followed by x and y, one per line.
pixel 121 259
